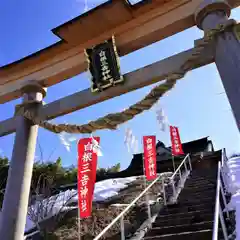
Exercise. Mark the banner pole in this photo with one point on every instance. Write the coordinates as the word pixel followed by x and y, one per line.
pixel 145 186
pixel 87 164
pixel 173 162
pixel 146 195
pixel 79 224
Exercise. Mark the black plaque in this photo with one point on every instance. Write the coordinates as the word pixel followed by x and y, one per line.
pixel 103 64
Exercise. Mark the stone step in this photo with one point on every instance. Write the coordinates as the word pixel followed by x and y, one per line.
pixel 187 219
pixel 201 179
pixel 180 228
pixel 204 181
pixel 198 188
pixel 200 184
pixel 182 214
pixel 179 208
pixel 201 175
pixel 205 234
pixel 204 172
pixel 195 201
pixel 198 193
pixel 188 195
pixel 194 189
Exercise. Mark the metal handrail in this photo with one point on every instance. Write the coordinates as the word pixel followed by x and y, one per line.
pixel 126 209
pixel 182 178
pixel 218 210
pixel 223 173
pixel 121 215
pixel 183 162
pixel 31 234
pixel 217 205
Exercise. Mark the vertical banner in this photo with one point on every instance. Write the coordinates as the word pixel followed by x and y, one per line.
pixel 150 162
pixel 87 167
pixel 176 141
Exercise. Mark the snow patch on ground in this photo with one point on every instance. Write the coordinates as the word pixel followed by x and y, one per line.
pixel 232 183
pixel 103 190
pixel 51 206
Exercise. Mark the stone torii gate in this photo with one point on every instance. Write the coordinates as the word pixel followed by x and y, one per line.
pixel 134 27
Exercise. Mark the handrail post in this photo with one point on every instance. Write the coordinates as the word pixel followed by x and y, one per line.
pixel 164 193
pixel 222 158
pixel 148 208
pixel 189 161
pixel 224 180
pixel 174 190
pixel 217 205
pixel 185 166
pixel 223 168
pixel 122 228
pixel 224 199
pixel 180 175
pixel 147 202
pixel 225 235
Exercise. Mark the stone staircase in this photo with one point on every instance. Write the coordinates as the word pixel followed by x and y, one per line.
pixel 192 216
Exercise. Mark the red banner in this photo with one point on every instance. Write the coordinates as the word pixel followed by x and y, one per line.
pixel 150 162
pixel 176 141
pixel 87 167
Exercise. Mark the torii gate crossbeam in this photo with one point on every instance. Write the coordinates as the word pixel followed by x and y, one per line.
pixel 139 78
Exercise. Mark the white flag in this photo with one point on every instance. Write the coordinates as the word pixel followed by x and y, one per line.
pixel 162 119
pixel 96 147
pixel 66 139
pixel 128 138
pixel 131 141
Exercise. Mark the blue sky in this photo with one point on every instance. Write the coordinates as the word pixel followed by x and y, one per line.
pixel 197 105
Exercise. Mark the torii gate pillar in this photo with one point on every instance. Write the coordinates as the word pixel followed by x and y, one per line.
pixel 227 53
pixel 15 204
